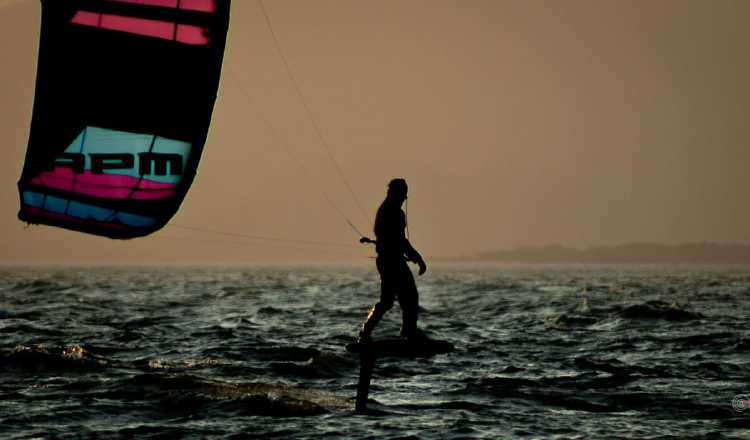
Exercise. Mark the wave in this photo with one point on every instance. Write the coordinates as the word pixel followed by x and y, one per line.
pixel 616 367
pixel 79 358
pixel 587 398
pixel 462 405
pixel 72 358
pixel 318 366
pixel 284 353
pixel 584 316
pixel 660 310
pixel 189 393
pixel 570 320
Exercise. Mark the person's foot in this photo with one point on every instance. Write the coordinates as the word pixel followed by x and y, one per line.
pixel 364 338
pixel 415 335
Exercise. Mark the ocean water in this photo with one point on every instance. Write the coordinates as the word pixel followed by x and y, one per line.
pixel 588 352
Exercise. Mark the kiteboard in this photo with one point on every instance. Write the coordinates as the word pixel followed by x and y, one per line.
pixel 397 347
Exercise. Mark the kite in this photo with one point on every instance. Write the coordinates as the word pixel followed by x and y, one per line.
pixel 124 95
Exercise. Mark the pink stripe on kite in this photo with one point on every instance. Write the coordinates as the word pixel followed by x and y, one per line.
pixel 191 34
pixel 38 214
pixel 199 5
pixel 186 33
pixel 164 3
pixel 86 18
pixel 140 26
pixel 104 186
pixel 194 5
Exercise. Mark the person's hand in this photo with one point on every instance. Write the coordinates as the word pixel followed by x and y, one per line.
pixel 422 266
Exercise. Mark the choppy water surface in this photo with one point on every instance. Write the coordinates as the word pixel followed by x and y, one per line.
pixel 542 352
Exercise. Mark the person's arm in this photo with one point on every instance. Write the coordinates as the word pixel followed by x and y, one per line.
pixel 409 251
pixel 414 256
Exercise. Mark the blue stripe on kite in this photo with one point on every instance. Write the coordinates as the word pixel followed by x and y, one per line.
pixel 135 220
pixel 33 199
pixel 85 211
pixel 55 204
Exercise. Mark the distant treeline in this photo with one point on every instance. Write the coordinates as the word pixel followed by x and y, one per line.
pixel 703 252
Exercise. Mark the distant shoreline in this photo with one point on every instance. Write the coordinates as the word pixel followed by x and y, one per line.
pixel 630 253
pixel 639 253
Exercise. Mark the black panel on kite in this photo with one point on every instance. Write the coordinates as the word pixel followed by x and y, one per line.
pixel 124 95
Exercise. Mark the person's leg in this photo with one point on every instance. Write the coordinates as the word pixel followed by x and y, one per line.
pixel 375 315
pixel 387 295
pixel 408 298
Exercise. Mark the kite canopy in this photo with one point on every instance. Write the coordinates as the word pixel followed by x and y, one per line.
pixel 124 95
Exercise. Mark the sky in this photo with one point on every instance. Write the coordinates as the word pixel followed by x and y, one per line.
pixel 516 123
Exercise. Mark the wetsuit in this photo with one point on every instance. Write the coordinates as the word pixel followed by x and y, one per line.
pixel 396 279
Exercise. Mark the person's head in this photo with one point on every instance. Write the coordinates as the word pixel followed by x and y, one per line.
pixel 397 190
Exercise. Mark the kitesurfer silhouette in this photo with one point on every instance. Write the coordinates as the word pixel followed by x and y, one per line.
pixel 396 279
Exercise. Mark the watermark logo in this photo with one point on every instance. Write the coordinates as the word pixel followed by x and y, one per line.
pixel 741 402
